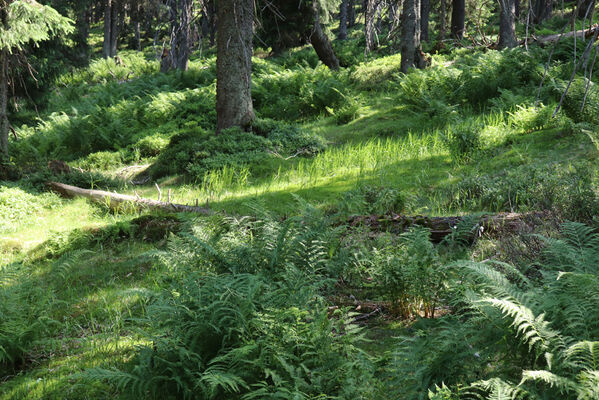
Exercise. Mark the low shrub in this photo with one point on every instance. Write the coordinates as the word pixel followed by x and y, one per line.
pixel 371 200
pixel 567 189
pixel 463 141
pixel 196 152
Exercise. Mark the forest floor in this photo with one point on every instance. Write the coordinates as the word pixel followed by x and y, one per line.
pixel 86 268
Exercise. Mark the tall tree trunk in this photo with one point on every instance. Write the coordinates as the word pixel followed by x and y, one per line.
pixel 180 13
pixel 321 43
pixel 507 24
pixel 517 8
pixel 585 9
pixel 212 20
pixel 542 10
pixel 107 29
pixel 3 107
pixel 442 20
pixel 136 16
pixel 342 35
pixel 114 27
pixel 458 13
pixel 235 21
pixel 351 14
pixel 411 52
pixel 425 9
pixel 369 33
pixel 82 34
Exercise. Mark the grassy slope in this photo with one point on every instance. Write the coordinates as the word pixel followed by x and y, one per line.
pixel 92 296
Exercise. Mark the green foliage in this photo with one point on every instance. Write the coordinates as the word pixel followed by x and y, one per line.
pixel 240 316
pixel 196 152
pixel 371 200
pixel 463 141
pixel 532 331
pixel 17 205
pixel 30 21
pixel 567 189
pixel 377 73
pixel 409 274
pixel 292 94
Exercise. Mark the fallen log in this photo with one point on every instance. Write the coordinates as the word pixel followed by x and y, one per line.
pixel 440 227
pixel 588 33
pixel 116 200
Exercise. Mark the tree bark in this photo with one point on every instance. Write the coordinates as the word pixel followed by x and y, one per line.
pixel 369 33
pixel 180 13
pixel 542 10
pixel 351 13
pixel 442 20
pixel 442 226
pixel 507 24
pixel 3 106
pixel 458 14
pixel 115 27
pixel 107 29
pixel 82 33
pixel 585 5
pixel 342 35
pixel 111 28
pixel 321 43
pixel 425 9
pixel 235 19
pixel 411 52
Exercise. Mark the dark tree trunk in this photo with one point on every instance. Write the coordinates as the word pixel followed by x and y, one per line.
pixel 343 20
pixel 425 8
pixel 321 43
pixel 351 13
pixel 115 27
pixel 3 107
pixel 517 7
pixel 411 52
pixel 507 24
pixel 542 10
pixel 585 8
pixel 442 20
pixel 379 16
pixel 136 16
pixel 234 64
pixel 369 33
pixel 107 29
pixel 111 28
pixel 212 20
pixel 82 34
pixel 458 13
pixel 180 13
pixel 392 13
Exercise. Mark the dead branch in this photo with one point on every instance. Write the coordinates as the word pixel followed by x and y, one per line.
pixel 116 200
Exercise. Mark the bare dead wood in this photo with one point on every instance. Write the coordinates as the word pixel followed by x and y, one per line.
pixel 116 200
pixel 440 227
pixel 587 33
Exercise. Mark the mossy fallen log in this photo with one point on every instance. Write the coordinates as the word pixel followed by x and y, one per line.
pixel 440 227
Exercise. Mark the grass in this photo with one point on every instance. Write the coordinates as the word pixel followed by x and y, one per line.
pixel 92 268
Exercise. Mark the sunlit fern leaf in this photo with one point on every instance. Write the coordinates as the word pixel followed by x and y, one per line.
pixel 533 330
pixel 498 389
pixel 563 385
pixel 584 355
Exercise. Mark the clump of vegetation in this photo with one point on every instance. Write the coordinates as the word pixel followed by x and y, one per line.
pixel 463 141
pixel 196 152
pixel 567 189
pixel 547 320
